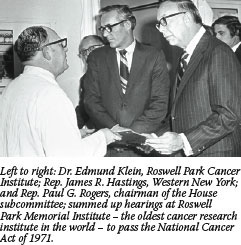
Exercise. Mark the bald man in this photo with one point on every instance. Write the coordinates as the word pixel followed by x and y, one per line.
pixel 37 118
pixel 87 45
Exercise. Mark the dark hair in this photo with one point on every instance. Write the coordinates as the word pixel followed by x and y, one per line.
pixel 29 41
pixel 188 6
pixel 231 22
pixel 209 29
pixel 123 11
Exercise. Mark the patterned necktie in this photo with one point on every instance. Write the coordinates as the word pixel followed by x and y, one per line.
pixel 181 68
pixel 124 72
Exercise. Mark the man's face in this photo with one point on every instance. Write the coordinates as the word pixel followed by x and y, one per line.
pixel 59 57
pixel 119 34
pixel 223 34
pixel 87 46
pixel 173 31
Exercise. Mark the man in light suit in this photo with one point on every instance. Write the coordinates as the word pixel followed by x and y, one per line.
pixel 206 108
pixel 142 104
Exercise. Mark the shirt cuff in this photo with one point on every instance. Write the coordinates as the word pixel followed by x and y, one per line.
pixel 116 125
pixel 187 147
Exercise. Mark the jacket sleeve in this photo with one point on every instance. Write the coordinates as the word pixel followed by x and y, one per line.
pixel 156 110
pixel 224 84
pixel 92 97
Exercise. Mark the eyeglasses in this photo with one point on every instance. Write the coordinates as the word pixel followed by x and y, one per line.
pixel 108 27
pixel 163 20
pixel 85 52
pixel 62 41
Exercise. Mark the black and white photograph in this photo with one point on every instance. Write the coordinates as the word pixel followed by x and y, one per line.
pixel 120 121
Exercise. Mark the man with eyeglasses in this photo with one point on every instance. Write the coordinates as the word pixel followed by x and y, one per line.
pixel 87 45
pixel 37 118
pixel 206 105
pixel 127 83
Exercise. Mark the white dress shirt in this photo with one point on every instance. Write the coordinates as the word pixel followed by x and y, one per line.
pixel 38 119
pixel 129 54
pixel 234 48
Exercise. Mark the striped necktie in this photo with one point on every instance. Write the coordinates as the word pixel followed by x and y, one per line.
pixel 181 68
pixel 124 72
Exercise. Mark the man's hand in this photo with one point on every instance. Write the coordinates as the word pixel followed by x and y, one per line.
pixel 86 131
pixel 110 136
pixel 166 144
pixel 147 148
pixel 150 136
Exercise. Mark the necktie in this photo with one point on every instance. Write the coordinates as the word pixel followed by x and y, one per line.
pixel 124 72
pixel 181 68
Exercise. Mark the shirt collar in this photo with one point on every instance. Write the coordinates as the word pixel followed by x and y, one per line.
pixel 130 48
pixel 40 72
pixel 192 45
pixel 234 48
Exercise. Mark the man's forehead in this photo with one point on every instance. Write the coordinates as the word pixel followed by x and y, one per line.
pixel 109 17
pixel 167 8
pixel 220 26
pixel 86 43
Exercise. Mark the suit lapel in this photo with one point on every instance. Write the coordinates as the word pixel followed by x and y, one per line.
pixel 138 61
pixel 111 60
pixel 193 63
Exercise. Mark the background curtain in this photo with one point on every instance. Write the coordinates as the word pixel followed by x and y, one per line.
pixel 89 11
pixel 205 10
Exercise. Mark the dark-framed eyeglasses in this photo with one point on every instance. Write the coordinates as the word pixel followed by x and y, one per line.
pixel 63 43
pixel 109 27
pixel 85 52
pixel 163 20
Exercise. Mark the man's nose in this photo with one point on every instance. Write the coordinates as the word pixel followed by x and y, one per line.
pixel 105 33
pixel 162 29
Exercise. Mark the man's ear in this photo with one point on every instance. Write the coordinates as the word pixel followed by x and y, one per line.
pixel 188 18
pixel 127 24
pixel 46 53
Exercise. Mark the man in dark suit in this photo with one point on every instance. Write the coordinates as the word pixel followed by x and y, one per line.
pixel 228 29
pixel 206 107
pixel 139 102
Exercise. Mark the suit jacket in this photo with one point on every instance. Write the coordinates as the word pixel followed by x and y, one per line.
pixel 238 53
pixel 81 114
pixel 143 106
pixel 207 106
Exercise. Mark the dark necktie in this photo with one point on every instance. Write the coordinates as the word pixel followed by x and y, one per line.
pixel 181 68
pixel 124 72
